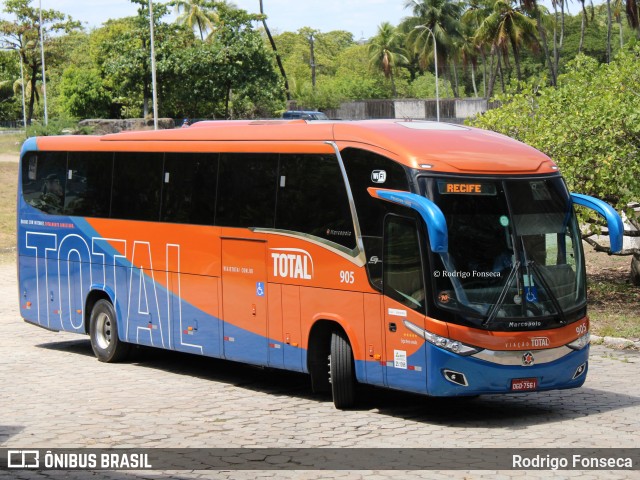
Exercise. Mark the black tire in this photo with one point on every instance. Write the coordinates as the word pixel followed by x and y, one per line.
pixel 103 330
pixel 341 370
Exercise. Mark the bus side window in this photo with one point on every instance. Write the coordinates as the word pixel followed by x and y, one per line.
pixel 312 199
pixel 247 190
pixel 43 181
pixel 88 186
pixel 189 193
pixel 367 169
pixel 403 274
pixel 137 183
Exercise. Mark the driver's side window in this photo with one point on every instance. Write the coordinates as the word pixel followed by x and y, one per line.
pixel 403 274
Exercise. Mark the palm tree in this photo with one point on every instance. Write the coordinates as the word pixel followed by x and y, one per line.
pixel 196 13
pixel 534 10
pixel 442 18
pixel 386 52
pixel 469 51
pixel 472 18
pixel 508 26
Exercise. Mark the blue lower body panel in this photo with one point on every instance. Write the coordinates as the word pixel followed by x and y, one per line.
pixel 484 377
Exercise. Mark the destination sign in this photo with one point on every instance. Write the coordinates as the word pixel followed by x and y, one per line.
pixel 468 188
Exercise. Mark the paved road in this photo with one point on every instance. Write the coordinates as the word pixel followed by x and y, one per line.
pixel 55 394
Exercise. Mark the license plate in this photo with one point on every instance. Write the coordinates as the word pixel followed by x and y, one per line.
pixel 524 384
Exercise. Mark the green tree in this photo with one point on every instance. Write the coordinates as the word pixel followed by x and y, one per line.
pixel 83 94
pixel 589 124
pixel 23 35
pixel 386 52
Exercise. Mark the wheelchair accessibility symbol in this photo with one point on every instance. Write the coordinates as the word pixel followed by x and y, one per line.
pixel 260 289
pixel 531 294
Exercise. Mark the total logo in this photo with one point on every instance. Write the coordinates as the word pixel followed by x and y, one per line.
pixel 292 263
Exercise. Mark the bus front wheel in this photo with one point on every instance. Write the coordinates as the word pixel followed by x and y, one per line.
pixel 341 371
pixel 103 330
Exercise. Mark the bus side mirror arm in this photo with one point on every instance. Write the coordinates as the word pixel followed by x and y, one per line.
pixel 614 222
pixel 429 211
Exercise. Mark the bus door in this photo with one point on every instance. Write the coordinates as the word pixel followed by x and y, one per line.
pixel 404 301
pixel 244 301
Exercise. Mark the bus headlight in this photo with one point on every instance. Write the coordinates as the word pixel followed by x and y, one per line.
pixel 580 342
pixel 445 343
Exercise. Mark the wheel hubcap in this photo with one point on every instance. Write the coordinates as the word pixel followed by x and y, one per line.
pixel 103 331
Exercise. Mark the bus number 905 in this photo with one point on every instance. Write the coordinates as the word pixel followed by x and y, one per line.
pixel 347 277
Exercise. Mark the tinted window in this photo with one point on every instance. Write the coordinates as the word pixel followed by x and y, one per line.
pixel 247 190
pixel 403 276
pixel 43 179
pixel 367 169
pixel 189 193
pixel 88 186
pixel 312 198
pixel 137 184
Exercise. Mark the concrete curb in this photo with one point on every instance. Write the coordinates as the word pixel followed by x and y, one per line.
pixel 614 342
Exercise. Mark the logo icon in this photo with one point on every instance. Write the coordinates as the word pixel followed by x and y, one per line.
pixel 527 359
pixel 292 263
pixel 379 176
pixel 23 459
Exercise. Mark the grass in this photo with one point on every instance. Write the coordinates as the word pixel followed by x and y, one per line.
pixel 8 189
pixel 10 143
pixel 614 305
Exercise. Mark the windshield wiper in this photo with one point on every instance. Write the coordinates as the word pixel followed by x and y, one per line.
pixel 552 296
pixel 503 294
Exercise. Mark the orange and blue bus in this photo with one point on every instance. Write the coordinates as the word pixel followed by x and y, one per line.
pixel 418 256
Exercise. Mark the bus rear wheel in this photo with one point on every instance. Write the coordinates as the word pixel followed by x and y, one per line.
pixel 103 331
pixel 341 372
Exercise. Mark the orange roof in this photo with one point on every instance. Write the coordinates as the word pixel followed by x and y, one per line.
pixel 418 144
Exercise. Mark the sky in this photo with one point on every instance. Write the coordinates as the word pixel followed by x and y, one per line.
pixel 360 17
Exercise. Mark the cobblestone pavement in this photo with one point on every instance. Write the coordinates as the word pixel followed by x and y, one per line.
pixel 55 394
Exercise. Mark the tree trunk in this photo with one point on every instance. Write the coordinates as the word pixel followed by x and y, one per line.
pixel 227 101
pixel 500 71
pixel 561 43
pixel 621 39
pixel 582 27
pixel 393 85
pixel 516 59
pixel 484 70
pixel 555 37
pixel 473 81
pixel 312 60
pixel 545 47
pixel 275 50
pixel 608 31
pixel 456 93
pixel 32 93
pixel 635 270
pixel 492 75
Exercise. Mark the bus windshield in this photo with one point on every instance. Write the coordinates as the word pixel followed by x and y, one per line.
pixel 514 248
